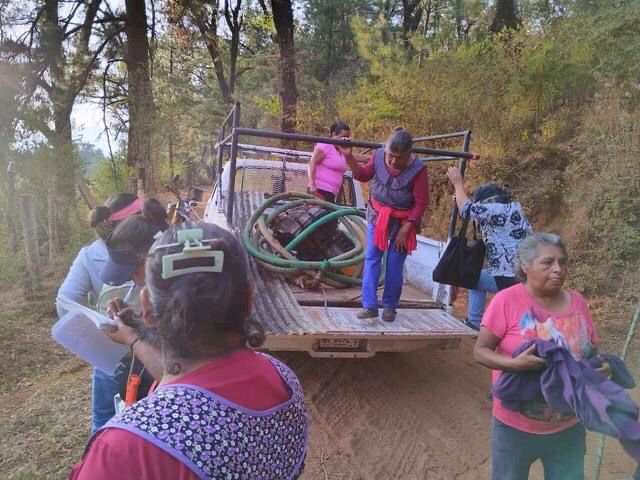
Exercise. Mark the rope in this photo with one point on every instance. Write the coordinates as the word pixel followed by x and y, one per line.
pixel 625 349
pixel 258 239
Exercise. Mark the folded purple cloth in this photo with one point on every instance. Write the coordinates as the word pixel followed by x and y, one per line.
pixel 574 387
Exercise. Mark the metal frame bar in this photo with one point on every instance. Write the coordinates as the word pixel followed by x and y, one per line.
pixel 442 136
pixel 233 117
pixel 463 166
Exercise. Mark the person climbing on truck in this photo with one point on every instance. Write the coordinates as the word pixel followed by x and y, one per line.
pixel 398 198
pixel 503 224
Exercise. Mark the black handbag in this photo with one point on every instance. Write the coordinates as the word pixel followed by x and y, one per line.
pixel 461 262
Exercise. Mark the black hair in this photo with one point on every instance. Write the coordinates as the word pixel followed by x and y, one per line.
pixel 113 204
pixel 138 232
pixel 491 192
pixel 338 127
pixel 199 314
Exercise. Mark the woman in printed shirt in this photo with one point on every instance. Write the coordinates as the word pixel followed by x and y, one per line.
pixel 221 410
pixel 502 223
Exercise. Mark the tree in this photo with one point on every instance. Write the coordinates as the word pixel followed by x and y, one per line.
pixel 142 109
pixel 506 16
pixel 58 55
pixel 282 12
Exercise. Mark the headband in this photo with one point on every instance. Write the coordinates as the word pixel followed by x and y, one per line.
pixel 131 209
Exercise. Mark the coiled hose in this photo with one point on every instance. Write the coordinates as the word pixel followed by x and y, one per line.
pixel 261 244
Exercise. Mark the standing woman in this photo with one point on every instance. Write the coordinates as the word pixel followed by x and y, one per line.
pixel 221 410
pixel 83 278
pixel 503 225
pixel 537 308
pixel 398 198
pixel 327 165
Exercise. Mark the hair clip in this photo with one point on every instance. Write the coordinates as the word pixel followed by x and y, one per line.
pixel 196 255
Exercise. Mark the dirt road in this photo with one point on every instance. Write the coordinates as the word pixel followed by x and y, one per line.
pixel 422 415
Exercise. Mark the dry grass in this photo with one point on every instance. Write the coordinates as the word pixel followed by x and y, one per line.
pixel 44 391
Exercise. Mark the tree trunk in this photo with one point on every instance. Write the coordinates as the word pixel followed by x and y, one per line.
pixel 411 15
pixel 208 28
pixel 506 16
pixel 140 97
pixel 234 22
pixel 283 21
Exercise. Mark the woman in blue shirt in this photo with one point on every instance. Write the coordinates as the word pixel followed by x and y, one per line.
pixel 83 281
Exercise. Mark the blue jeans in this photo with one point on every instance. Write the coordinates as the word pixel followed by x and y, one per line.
pixel 513 452
pixel 371 275
pixel 103 389
pixel 478 296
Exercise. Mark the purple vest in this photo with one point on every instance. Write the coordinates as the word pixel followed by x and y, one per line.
pixel 396 192
pixel 219 439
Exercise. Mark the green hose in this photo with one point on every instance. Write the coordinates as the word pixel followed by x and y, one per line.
pixel 278 259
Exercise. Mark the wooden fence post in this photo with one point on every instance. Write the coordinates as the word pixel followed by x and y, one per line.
pixel 10 209
pixel 52 217
pixel 89 199
pixel 30 235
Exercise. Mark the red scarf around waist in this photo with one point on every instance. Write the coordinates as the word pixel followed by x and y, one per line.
pixel 381 232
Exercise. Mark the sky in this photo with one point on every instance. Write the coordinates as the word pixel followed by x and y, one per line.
pixel 88 127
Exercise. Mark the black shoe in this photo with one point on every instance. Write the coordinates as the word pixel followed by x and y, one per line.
pixel 367 313
pixel 389 314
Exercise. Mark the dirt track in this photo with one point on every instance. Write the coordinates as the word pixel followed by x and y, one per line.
pixel 421 415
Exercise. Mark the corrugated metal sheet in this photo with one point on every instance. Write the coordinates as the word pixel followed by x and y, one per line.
pixel 277 310
pixel 275 307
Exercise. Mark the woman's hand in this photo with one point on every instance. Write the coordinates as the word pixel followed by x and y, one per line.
pixel 527 360
pixel 124 331
pixel 400 242
pixel 605 368
pixel 312 189
pixel 454 176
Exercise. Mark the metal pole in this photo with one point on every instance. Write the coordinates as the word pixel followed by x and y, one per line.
pixel 440 136
pixel 251 132
pixel 630 334
pixel 463 166
pixel 220 151
pixel 232 165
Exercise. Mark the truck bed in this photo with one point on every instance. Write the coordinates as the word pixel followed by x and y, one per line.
pixel 334 330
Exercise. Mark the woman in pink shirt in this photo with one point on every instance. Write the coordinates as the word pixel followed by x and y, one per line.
pixel 327 165
pixel 537 308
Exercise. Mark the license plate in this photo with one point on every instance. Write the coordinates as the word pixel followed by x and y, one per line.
pixel 341 343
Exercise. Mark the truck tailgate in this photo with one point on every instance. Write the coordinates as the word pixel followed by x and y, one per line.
pixel 335 331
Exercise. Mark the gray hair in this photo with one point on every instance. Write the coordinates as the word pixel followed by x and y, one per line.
pixel 399 142
pixel 528 251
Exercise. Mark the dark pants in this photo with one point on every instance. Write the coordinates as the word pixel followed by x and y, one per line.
pixel 326 196
pixel 562 454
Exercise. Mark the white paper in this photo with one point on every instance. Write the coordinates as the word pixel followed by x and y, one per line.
pixel 69 305
pixel 79 333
